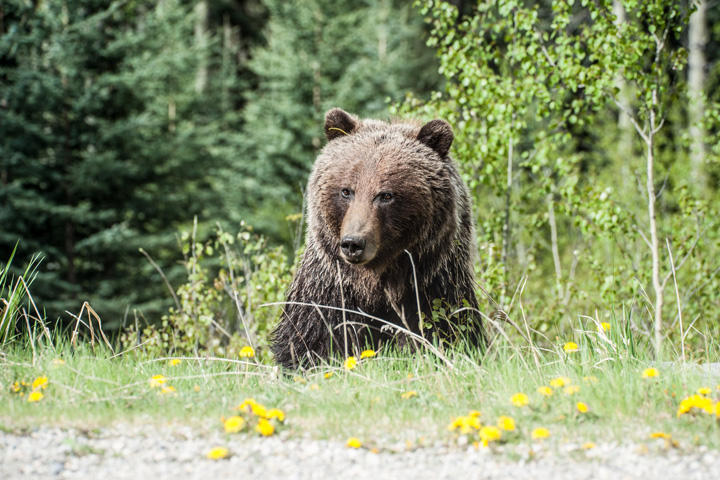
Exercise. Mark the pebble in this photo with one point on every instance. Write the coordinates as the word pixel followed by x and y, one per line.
pixel 132 452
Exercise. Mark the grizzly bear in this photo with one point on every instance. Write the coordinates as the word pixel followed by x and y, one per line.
pixel 389 235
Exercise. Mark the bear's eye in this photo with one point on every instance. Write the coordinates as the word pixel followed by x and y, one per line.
pixel 345 192
pixel 385 197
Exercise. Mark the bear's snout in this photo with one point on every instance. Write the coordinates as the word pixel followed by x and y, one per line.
pixel 352 248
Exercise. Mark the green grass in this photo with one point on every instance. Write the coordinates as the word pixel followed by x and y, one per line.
pixel 94 389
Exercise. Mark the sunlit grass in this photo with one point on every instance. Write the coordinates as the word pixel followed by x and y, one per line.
pixel 599 392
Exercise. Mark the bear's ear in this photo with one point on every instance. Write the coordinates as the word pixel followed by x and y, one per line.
pixel 438 135
pixel 339 123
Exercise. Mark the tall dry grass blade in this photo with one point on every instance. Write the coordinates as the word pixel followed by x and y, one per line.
pixel 679 304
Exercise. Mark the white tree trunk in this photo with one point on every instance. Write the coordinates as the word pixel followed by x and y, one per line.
pixel 697 38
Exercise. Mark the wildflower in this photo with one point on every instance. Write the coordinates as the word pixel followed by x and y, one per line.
pixel 409 394
pixel 299 379
pixel 234 424
pixel 174 362
pixel 590 379
pixel 588 445
pixel 40 382
pixel 540 433
pixel 506 423
pixel 474 413
pixel 604 327
pixel 157 381
pixel 35 397
pixel 350 363
pixel 544 390
pixel 276 413
pixel 264 427
pixel 571 390
pixel 166 389
pixel 697 402
pixel 246 352
pixel 465 424
pixel 560 382
pixel 704 390
pixel 519 399
pixel 58 362
pixel 353 443
pixel 216 453
pixel 255 408
pixel 367 354
pixel 489 434
pixel 650 373
pixel 196 388
pixel 582 407
pixel 570 347
pixel 16 387
pixel 660 435
pixel 329 374
pixel 314 386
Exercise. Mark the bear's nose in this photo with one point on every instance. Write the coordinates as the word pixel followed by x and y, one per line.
pixel 352 247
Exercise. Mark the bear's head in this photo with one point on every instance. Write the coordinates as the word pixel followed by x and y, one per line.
pixel 378 189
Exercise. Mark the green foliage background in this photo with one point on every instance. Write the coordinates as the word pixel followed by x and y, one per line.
pixel 122 121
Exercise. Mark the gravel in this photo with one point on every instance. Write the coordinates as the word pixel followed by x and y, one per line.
pixel 136 453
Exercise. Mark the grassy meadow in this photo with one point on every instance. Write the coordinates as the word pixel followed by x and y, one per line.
pixel 599 386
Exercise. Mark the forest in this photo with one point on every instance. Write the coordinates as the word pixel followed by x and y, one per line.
pixel 154 155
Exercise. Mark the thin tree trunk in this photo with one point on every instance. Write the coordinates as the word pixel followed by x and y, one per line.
pixel 625 127
pixel 201 34
pixel 554 245
pixel 697 38
pixel 654 243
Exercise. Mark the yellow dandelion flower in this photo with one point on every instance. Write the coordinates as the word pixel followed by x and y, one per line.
pixel 474 413
pixel 166 389
pixel 704 390
pixel 367 354
pixel 276 413
pixel 590 379
pixel 650 373
pixel 570 347
pixel 264 427
pixel 16 387
pixel 353 442
pixel 35 397
pixel 695 402
pixel 234 424
pixel 196 388
pixel 217 453
pixel 571 390
pixel 545 390
pixel 588 445
pixel 409 394
pixel 506 423
pixel 466 424
pixel 519 400
pixel 540 433
pixel 174 362
pixel 604 327
pixel 329 374
pixel 560 382
pixel 157 381
pixel 40 382
pixel 582 407
pixel 488 434
pixel 58 362
pixel 350 363
pixel 717 409
pixel 660 435
pixel 246 352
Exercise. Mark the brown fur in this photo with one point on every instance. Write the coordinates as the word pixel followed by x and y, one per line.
pixel 392 187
